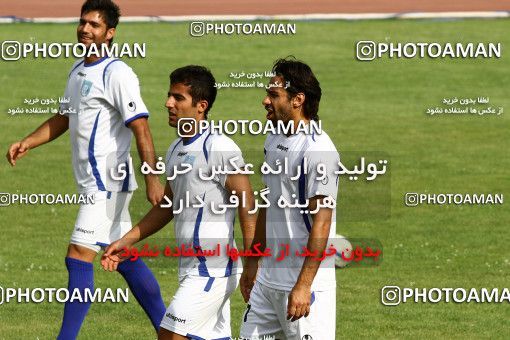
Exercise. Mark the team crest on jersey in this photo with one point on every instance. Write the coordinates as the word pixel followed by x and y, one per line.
pixel 189 159
pixel 86 86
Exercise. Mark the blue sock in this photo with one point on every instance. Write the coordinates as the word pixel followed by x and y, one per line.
pixel 81 276
pixel 145 288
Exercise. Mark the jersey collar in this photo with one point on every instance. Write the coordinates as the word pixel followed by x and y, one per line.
pixel 96 62
pixel 192 139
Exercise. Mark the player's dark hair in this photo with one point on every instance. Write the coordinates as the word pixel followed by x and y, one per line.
pixel 301 79
pixel 108 9
pixel 201 83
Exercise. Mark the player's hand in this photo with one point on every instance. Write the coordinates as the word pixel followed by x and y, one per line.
pixel 247 280
pixel 16 151
pixel 299 302
pixel 155 191
pixel 113 254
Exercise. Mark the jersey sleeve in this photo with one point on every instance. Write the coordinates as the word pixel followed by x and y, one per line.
pixel 225 153
pixel 66 104
pixel 124 88
pixel 321 178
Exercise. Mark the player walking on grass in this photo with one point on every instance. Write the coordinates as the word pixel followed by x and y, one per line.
pixel 104 111
pixel 294 299
pixel 200 308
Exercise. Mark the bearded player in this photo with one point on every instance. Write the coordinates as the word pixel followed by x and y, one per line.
pixel 294 299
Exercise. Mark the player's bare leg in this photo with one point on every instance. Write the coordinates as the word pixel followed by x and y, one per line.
pixel 81 253
pixel 165 334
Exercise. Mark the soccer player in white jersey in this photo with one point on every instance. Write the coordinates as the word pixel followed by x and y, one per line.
pixel 104 111
pixel 294 299
pixel 200 308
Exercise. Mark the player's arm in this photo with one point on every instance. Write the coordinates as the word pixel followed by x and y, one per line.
pixel 145 146
pixel 251 264
pixel 48 131
pixel 151 223
pixel 300 296
pixel 260 229
pixel 242 187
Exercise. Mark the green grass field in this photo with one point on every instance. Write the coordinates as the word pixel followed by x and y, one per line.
pixel 376 106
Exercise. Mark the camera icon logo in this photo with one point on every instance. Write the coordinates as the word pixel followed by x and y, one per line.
pixel 365 50
pixel 411 199
pixel 197 28
pixel 5 199
pixel 187 127
pixel 391 295
pixel 11 50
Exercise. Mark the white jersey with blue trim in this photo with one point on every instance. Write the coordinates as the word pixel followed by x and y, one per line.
pixel 104 97
pixel 201 226
pixel 288 226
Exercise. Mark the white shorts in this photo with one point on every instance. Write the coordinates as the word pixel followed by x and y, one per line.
pixel 103 222
pixel 200 308
pixel 266 316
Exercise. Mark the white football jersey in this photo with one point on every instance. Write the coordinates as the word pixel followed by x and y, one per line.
pixel 104 99
pixel 288 225
pixel 201 226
